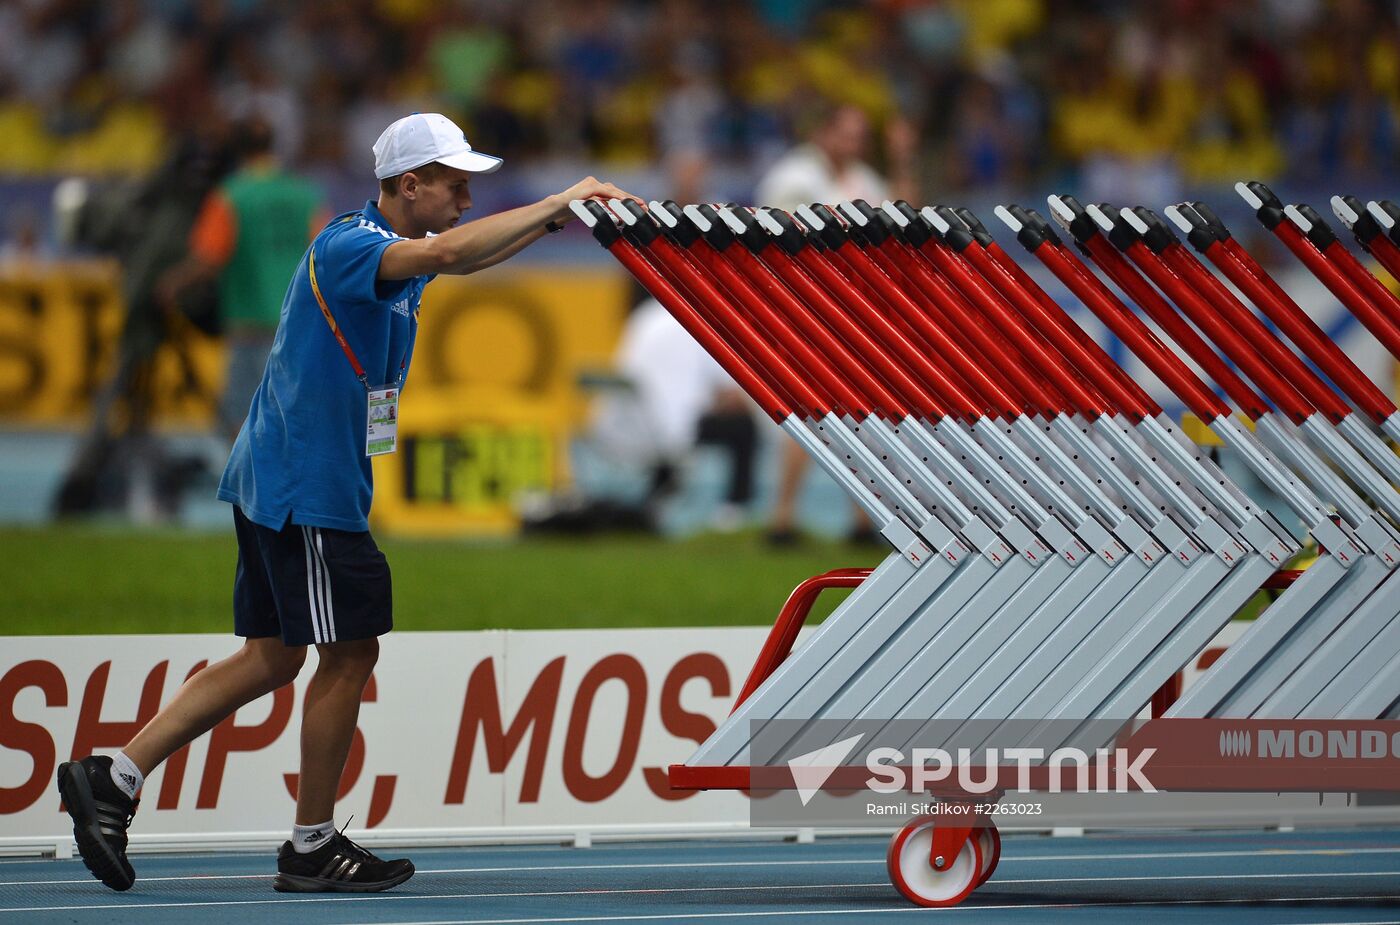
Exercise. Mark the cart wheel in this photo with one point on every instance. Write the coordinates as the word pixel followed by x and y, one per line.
pixel 915 877
pixel 989 843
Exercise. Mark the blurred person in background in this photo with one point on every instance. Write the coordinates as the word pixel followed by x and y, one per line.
pixel 674 398
pixel 23 249
pixel 248 238
pixel 301 483
pixel 829 168
pixel 145 225
pixel 688 122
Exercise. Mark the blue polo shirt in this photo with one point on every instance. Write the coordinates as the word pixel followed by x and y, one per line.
pixel 300 456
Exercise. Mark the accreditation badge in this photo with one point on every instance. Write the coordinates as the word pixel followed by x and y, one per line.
pixel 382 430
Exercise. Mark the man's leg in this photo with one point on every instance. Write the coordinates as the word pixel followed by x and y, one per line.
pixel 328 725
pixel 781 530
pixel 736 432
pixel 319 859
pixel 259 667
pixel 100 792
pixel 733 430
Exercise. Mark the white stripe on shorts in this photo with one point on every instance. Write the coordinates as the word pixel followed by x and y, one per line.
pixel 313 586
pixel 326 599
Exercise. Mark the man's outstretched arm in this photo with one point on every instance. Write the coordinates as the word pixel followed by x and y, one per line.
pixel 504 254
pixel 489 240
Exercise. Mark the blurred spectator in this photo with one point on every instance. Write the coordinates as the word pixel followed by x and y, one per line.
pixel 830 168
pixel 987 149
pixel 465 54
pixel 373 107
pixel 254 93
pixel 250 235
pixel 689 121
pixel 673 397
pixel 140 48
pixel 120 464
pixel 23 247
pixel 1137 98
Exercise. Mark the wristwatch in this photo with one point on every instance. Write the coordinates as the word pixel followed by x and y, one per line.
pixel 553 227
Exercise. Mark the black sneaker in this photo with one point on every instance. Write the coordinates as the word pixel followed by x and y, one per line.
pixel 338 866
pixel 101 815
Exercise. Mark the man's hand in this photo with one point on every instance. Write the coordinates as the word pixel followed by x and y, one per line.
pixel 588 188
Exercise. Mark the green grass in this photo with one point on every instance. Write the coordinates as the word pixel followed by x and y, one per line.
pixel 63 580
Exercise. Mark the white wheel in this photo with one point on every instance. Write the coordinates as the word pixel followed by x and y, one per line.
pixel 912 872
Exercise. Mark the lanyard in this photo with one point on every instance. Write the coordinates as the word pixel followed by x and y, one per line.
pixel 340 338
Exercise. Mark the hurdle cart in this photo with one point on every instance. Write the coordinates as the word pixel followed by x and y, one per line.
pixel 1059 548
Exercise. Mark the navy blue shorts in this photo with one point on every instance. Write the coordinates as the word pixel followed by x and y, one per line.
pixel 309 585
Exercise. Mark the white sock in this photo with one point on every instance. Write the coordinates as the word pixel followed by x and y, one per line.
pixel 126 775
pixel 307 838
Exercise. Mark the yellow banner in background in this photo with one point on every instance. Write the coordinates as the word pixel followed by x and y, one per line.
pixel 525 333
pixel 463 473
pixel 60 330
pixel 487 414
pixel 494 396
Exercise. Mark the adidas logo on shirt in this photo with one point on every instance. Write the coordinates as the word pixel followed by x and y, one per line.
pixel 366 223
pixel 401 307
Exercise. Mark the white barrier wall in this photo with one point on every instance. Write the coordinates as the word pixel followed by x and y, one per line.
pixel 460 734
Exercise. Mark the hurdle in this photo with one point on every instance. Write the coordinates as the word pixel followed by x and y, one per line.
pixel 930 696
pixel 1379 312
pixel 895 658
pixel 1281 655
pixel 1316 246
pixel 1059 548
pixel 1076 648
pixel 972 626
pixel 1386 216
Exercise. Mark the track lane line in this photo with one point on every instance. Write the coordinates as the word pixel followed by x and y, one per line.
pixel 880 911
pixel 404 897
pixel 1059 858
pixel 641 891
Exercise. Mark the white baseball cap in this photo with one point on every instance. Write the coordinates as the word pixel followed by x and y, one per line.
pixel 425 137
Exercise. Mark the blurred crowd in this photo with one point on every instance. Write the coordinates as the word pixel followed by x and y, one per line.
pixel 998 92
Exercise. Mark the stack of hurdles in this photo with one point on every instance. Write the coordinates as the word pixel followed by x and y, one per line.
pixel 1060 549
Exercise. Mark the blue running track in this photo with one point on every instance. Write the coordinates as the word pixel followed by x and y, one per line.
pixel 1301 877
